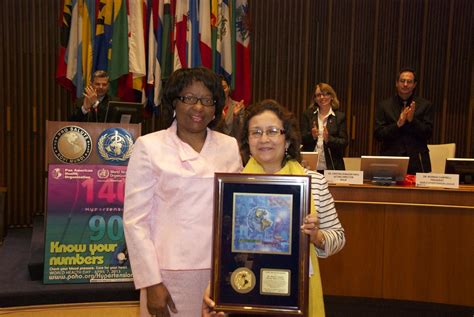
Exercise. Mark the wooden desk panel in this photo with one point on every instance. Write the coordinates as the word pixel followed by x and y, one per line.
pixel 365 252
pixel 404 243
pixel 394 195
pixel 429 254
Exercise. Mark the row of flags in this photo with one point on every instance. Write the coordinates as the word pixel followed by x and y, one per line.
pixel 141 42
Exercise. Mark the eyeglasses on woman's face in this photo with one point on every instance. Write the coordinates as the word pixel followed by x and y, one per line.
pixel 271 132
pixel 322 94
pixel 192 100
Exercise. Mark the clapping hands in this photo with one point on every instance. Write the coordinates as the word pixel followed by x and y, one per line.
pixel 238 107
pixel 407 114
pixel 90 98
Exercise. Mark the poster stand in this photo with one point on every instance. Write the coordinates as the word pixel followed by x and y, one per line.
pixel 86 167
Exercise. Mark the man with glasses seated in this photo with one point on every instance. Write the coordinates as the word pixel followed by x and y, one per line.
pixel 404 123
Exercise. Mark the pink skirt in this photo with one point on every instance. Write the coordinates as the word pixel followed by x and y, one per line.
pixel 186 289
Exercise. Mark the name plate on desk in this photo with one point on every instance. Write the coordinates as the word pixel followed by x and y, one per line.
pixel 344 177
pixel 437 180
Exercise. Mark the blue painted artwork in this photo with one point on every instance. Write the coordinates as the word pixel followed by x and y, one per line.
pixel 262 223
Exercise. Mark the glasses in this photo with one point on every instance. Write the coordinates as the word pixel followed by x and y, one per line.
pixel 408 81
pixel 322 94
pixel 192 100
pixel 270 132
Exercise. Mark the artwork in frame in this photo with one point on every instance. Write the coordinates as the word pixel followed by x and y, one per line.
pixel 260 257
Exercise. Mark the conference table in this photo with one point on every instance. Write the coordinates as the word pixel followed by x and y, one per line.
pixel 404 242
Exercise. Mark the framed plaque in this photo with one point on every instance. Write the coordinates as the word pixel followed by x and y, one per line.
pixel 260 257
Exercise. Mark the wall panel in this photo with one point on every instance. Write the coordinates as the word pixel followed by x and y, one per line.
pixel 359 104
pixel 30 41
pixel 435 62
pixel 359 47
pixel 410 40
pixel 279 64
pixel 459 84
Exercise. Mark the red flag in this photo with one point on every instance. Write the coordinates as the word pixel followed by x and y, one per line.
pixel 243 83
pixel 65 28
pixel 205 44
pixel 180 56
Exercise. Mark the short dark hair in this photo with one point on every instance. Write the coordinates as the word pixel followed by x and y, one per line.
pixel 290 124
pixel 407 69
pixel 223 78
pixel 184 77
pixel 100 74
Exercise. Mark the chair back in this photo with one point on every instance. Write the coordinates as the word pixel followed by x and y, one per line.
pixel 438 155
pixel 352 163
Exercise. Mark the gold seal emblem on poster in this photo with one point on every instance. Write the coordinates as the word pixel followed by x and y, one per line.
pixel 72 144
pixel 243 280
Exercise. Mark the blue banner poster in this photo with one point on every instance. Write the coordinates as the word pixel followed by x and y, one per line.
pixel 84 238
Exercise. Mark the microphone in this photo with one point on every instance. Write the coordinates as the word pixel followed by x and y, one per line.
pixel 330 158
pixel 95 106
pixel 421 162
pixel 107 112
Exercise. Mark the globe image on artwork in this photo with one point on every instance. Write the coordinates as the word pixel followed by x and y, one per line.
pixel 258 219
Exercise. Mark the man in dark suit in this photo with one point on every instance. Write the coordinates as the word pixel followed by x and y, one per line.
pixel 95 104
pixel 404 123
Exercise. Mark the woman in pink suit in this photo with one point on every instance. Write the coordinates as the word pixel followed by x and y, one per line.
pixel 168 210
